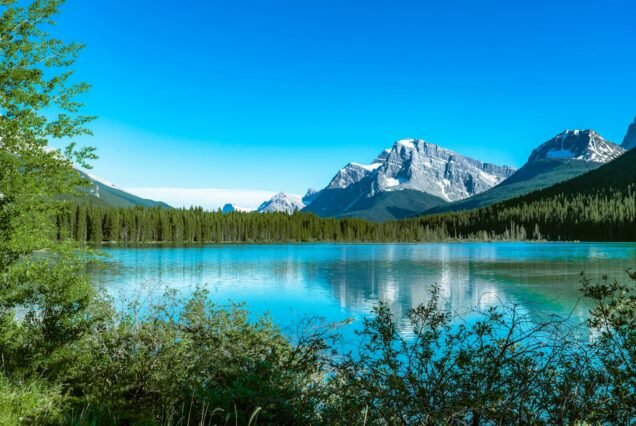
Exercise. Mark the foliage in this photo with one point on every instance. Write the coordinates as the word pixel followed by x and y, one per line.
pixel 613 320
pixel 495 368
pixel 209 364
pixel 604 215
pixel 44 297
pixel 607 214
pixel 88 223
pixel 202 364
pixel 29 402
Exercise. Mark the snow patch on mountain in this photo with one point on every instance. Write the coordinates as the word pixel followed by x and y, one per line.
pixel 408 143
pixel 391 182
pixel 368 167
pixel 584 145
pixel 102 181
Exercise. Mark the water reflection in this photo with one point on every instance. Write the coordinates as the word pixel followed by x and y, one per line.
pixel 340 281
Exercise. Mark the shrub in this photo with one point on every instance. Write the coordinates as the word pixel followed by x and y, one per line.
pixel 495 367
pixel 203 363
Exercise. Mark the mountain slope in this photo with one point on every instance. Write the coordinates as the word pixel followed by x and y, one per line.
pixel 567 155
pixel 102 192
pixel 629 141
pixel 599 205
pixel 393 205
pixel 616 175
pixel 413 174
pixel 310 196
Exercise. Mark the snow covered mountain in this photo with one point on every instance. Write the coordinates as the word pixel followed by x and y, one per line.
pixel 288 203
pixel 565 156
pixel 282 202
pixel 629 141
pixel 422 166
pixel 430 175
pixel 586 145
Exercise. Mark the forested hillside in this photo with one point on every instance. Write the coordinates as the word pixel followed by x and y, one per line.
pixel 566 156
pixel 527 179
pixel 102 193
pixel 599 205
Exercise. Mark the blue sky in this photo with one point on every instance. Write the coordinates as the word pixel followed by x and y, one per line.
pixel 278 95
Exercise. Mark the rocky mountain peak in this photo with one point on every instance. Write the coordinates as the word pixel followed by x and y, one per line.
pixel 422 166
pixel 282 202
pixel 585 145
pixel 352 173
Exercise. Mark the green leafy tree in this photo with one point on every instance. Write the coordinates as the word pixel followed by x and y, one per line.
pixel 44 296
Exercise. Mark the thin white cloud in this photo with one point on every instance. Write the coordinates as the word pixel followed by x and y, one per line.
pixel 208 198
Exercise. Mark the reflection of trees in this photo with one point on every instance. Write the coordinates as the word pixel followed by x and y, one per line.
pixel 542 288
pixel 357 277
pixel 402 285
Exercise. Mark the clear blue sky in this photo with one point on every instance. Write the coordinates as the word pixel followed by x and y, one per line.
pixel 278 95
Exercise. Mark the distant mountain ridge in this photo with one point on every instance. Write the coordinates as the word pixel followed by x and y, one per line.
pixel 586 145
pixel 569 154
pixel 102 192
pixel 430 174
pixel 629 142
pixel 617 174
pixel 599 205
pixel 415 177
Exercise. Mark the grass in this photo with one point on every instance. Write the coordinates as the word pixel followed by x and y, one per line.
pixel 29 402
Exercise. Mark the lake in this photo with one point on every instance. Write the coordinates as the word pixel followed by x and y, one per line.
pixel 344 281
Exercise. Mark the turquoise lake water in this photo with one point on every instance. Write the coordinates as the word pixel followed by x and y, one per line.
pixel 344 281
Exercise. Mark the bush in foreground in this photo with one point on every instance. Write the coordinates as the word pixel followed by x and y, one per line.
pixel 205 364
